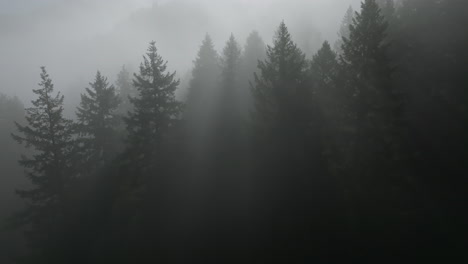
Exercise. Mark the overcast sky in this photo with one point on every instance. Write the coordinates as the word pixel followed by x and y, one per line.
pixel 74 38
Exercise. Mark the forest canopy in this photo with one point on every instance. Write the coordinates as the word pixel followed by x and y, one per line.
pixel 264 152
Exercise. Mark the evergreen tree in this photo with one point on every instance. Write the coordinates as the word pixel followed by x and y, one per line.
pixel 290 177
pixel 199 121
pixel 254 51
pixel 379 158
pixel 205 73
pixel 125 91
pixel 12 175
pixel 329 95
pixel 49 169
pixel 344 29
pixel 136 189
pixel 281 91
pixel 97 122
pixel 377 103
pixel 229 141
pixel 324 67
pixel 200 103
pixel 229 98
pixel 428 45
pixel 156 109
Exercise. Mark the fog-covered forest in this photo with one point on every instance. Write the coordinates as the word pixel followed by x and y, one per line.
pixel 235 131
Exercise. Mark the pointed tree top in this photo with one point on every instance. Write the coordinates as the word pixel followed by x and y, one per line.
pixel 207 40
pixel 207 49
pixel 232 39
pixel 45 79
pixel 232 48
pixel 282 35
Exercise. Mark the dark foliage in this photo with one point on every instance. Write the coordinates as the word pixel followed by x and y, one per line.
pixel 355 155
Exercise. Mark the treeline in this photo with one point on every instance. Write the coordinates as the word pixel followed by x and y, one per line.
pixel 271 157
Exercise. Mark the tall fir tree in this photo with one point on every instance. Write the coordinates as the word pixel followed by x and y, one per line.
pixel 376 102
pixel 125 90
pixel 138 184
pixel 428 45
pixel 229 94
pixel 205 72
pixel 156 109
pixel 290 177
pixel 97 122
pixel 330 97
pixel 378 173
pixel 229 142
pixel 200 103
pixel 283 77
pixel 11 109
pixel 324 67
pixel 254 51
pixel 50 170
pixel 344 29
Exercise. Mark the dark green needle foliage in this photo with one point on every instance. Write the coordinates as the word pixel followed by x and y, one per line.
pixel 229 105
pixel 156 109
pixel 275 156
pixel 200 101
pixel 377 104
pixel 229 138
pixel 50 169
pixel 290 175
pixel 377 173
pixel 333 102
pixel 97 123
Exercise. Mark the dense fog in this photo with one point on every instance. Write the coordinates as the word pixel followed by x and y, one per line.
pixel 233 131
pixel 91 35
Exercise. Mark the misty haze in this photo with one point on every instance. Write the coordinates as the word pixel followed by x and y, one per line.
pixel 233 131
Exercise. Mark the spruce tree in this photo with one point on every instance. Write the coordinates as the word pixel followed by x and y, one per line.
pixel 200 102
pixel 327 85
pixel 97 122
pixel 204 74
pixel 229 94
pixel 428 43
pixel 324 67
pixel 12 175
pixel 281 87
pixel 344 29
pixel 378 171
pixel 125 91
pixel 156 109
pixel 254 51
pixel 376 102
pixel 329 95
pixel 229 138
pixel 290 177
pixel 49 169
